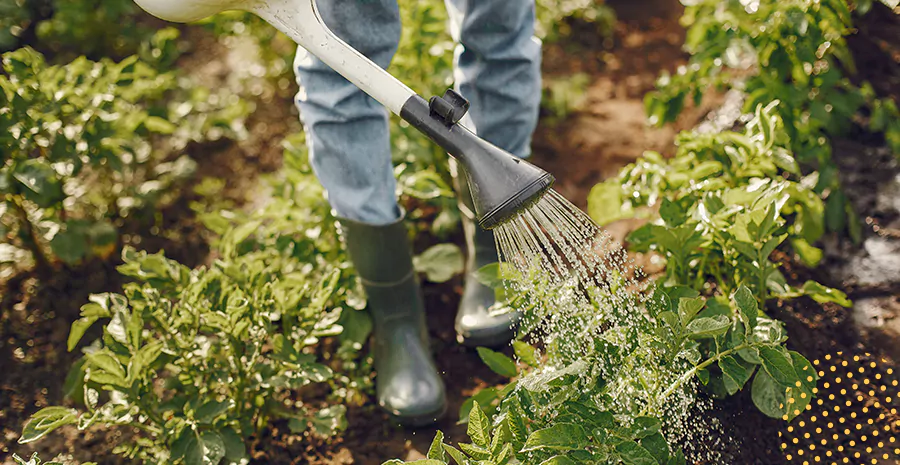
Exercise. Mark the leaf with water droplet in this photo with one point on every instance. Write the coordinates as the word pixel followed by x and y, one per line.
pixel 526 353
pixel 632 453
pixel 563 436
pixel 704 328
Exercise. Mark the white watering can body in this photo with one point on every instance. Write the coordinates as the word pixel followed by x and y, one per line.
pixel 299 20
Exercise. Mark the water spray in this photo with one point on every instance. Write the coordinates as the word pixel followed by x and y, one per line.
pixel 502 185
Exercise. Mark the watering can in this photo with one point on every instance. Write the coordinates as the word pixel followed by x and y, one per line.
pixel 502 185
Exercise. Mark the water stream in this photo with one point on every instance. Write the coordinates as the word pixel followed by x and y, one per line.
pixel 583 290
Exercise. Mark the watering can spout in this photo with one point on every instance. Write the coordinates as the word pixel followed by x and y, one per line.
pixel 502 185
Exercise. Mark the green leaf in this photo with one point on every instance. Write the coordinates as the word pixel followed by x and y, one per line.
pixel 778 365
pixel 484 397
pixel 526 353
pixel 747 304
pixel 476 452
pixel 823 294
pixel 735 373
pixel 159 125
pixel 768 395
pixel 605 203
pixel 440 262
pixel 457 456
pixel 436 451
pixel 805 371
pixel 46 420
pixel 558 460
pixel 213 447
pixel 632 453
pixel 657 445
pixel 330 420
pixel 809 255
pixel 106 361
pixel 703 328
pixel 689 308
pixel 591 416
pixel 39 182
pixel 562 436
pixel 479 429
pixel 69 246
pixel 644 426
pixel 498 363
pixel 208 412
pixel 235 450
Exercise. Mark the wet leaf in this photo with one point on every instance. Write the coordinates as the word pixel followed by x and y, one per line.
pixel 563 436
pixel 703 328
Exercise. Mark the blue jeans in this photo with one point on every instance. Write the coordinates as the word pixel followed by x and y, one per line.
pixel 496 67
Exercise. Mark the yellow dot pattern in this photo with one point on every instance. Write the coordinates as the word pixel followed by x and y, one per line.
pixel 853 417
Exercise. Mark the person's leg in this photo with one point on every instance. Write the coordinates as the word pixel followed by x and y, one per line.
pixel 497 68
pixel 350 152
pixel 347 131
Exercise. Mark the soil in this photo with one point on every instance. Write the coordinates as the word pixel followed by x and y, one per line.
pixel 592 143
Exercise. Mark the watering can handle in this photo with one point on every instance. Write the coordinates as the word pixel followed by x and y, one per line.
pixel 300 20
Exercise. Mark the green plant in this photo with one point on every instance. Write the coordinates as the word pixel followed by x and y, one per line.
pixel 620 392
pixel 556 17
pixel 69 28
pixel 79 151
pixel 725 202
pixel 200 360
pixel 563 96
pixel 793 52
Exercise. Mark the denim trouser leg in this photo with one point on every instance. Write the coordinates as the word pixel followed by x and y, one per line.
pixel 347 131
pixel 498 68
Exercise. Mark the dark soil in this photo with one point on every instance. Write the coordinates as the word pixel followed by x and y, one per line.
pixel 589 145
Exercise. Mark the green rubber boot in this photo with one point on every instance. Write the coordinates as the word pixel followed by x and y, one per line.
pixel 407 383
pixel 475 326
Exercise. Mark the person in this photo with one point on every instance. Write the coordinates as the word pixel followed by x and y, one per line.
pixel 496 68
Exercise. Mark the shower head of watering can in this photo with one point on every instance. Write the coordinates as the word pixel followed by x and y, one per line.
pixel 502 185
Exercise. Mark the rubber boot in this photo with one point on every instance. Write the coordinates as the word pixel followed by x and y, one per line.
pixel 407 382
pixel 475 326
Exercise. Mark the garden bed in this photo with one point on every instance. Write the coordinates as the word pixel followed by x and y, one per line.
pixel 606 131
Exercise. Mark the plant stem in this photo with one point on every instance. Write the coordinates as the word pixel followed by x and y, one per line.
pixel 692 372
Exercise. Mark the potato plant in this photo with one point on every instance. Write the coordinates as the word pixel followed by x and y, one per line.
pixel 721 206
pixel 616 403
pixel 79 153
pixel 794 52
pixel 199 360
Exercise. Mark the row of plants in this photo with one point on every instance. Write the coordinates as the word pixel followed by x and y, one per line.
pixel 620 379
pixel 793 52
pixel 89 144
pixel 614 389
pixel 199 361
